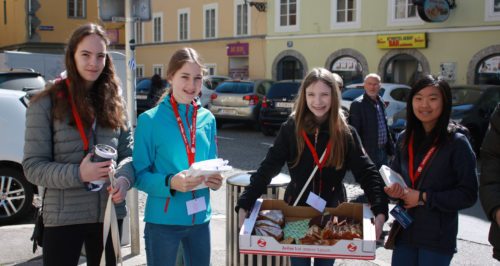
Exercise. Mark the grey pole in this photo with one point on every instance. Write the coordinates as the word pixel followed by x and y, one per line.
pixel 132 195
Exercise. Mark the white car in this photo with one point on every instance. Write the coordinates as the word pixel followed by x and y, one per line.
pixel 394 96
pixel 16 193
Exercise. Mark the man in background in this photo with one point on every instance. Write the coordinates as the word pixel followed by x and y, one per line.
pixel 367 115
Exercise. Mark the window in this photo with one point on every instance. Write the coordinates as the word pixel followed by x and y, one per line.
pixel 139 32
pixel 157 27
pixel 210 18
pixel 403 12
pixel 211 69
pixel 346 14
pixel 158 69
pixel 242 15
pixel 488 70
pixel 76 8
pixel 492 11
pixel 349 69
pixel 287 15
pixel 183 15
pixel 400 94
pixel 139 71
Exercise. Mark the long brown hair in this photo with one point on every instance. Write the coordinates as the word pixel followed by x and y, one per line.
pixel 337 125
pixel 102 102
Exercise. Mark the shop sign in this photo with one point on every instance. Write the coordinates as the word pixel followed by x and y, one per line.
pixel 45 28
pixel 237 49
pixel 402 41
pixel 448 71
pixel 434 10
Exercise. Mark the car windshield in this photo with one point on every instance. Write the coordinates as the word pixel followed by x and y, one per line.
pixel 465 96
pixel 22 83
pixel 283 90
pixel 235 87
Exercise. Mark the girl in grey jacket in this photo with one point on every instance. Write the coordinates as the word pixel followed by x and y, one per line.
pixel 63 123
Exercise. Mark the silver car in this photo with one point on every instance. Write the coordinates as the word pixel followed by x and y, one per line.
pixel 393 95
pixel 239 100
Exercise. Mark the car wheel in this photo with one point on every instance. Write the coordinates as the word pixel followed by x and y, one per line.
pixel 267 131
pixel 16 195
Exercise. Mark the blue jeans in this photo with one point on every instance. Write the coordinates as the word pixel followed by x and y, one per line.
pixel 307 261
pixel 410 256
pixel 162 243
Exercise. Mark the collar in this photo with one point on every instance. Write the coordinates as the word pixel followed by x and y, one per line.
pixel 368 98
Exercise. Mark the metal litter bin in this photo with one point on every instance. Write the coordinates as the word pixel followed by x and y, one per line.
pixel 235 186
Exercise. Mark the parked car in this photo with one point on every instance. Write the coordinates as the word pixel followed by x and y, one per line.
pixel 212 81
pixel 22 80
pixel 277 105
pixel 141 93
pixel 239 100
pixel 16 193
pixel 394 96
pixel 472 106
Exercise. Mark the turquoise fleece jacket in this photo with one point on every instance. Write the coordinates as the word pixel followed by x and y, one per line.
pixel 160 151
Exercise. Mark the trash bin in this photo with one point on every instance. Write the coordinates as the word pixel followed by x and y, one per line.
pixel 235 186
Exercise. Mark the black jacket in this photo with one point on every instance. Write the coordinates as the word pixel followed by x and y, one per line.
pixel 489 189
pixel 450 181
pixel 284 151
pixel 363 117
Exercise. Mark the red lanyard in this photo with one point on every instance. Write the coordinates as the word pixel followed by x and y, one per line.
pixel 78 120
pixel 315 156
pixel 190 150
pixel 415 175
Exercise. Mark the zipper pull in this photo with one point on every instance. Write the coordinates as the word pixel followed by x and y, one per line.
pixel 316 133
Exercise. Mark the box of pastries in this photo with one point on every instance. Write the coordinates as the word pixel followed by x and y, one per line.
pixel 275 228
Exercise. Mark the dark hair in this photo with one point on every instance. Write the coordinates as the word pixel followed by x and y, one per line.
pixel 337 125
pixel 156 82
pixel 414 126
pixel 102 102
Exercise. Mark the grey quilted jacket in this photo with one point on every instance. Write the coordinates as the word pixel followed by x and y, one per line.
pixel 53 151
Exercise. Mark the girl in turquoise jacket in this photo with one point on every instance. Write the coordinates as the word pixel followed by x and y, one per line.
pixel 168 139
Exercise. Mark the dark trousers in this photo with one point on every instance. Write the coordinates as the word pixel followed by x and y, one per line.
pixel 62 244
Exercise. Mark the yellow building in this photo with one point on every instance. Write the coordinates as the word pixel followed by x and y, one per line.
pixel 45 26
pixel 388 37
pixel 229 35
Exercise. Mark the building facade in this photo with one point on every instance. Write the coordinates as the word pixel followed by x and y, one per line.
pixel 229 35
pixel 45 26
pixel 357 37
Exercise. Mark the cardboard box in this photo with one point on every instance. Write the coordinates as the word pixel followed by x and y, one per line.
pixel 362 249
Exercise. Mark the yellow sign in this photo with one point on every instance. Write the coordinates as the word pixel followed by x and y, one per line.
pixel 401 41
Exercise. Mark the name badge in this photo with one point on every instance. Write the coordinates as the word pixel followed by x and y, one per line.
pixel 316 202
pixel 196 205
pixel 402 216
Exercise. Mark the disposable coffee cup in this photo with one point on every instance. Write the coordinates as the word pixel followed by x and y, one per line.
pixel 102 153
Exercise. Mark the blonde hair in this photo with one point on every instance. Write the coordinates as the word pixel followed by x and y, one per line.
pixel 338 129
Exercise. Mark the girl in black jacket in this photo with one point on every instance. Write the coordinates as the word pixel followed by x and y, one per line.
pixel 316 125
pixel 439 167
